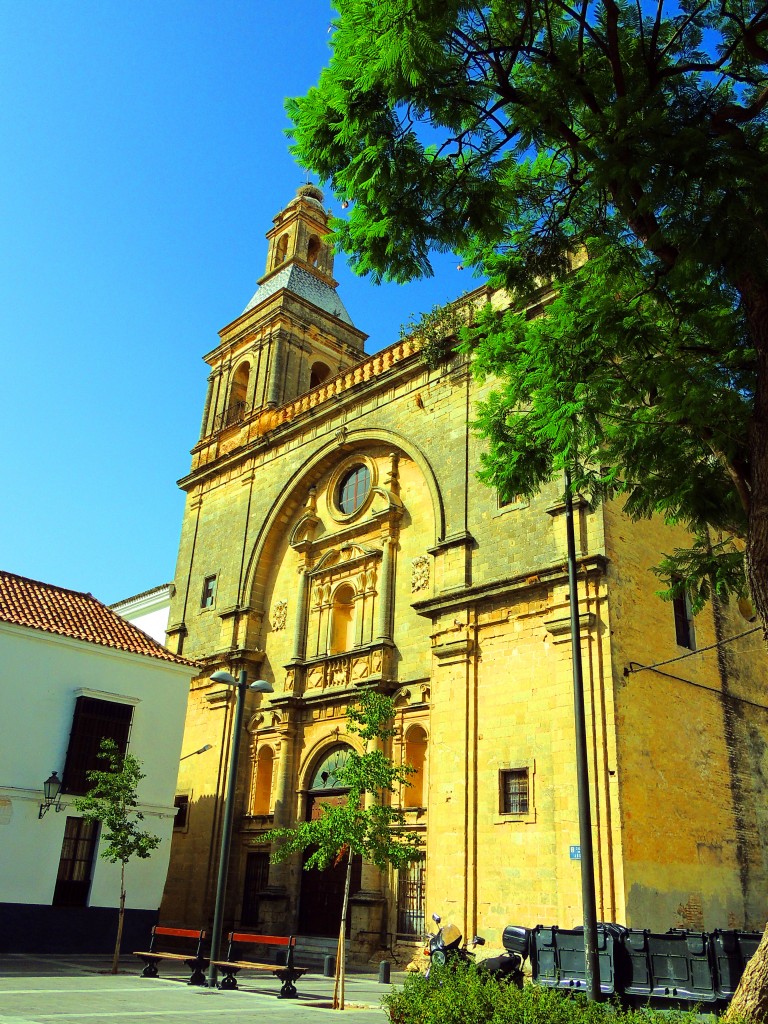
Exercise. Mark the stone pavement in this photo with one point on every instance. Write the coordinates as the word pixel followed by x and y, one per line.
pixel 70 990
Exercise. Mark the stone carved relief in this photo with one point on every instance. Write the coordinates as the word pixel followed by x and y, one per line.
pixel 360 668
pixel 344 670
pixel 419 573
pixel 315 677
pixel 279 615
pixel 407 695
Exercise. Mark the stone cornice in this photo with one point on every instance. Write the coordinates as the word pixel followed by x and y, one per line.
pixel 540 576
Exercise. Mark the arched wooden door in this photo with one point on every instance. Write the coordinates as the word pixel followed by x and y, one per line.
pixel 322 892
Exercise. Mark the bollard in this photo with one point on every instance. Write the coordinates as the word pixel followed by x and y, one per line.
pixel 384 972
pixel 329 966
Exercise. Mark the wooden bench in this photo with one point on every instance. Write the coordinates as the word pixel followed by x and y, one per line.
pixel 287 974
pixel 177 938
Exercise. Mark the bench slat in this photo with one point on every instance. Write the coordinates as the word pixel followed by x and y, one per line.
pixel 264 940
pixel 157 955
pixel 181 933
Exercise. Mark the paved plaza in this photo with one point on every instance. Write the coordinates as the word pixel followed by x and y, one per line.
pixel 49 989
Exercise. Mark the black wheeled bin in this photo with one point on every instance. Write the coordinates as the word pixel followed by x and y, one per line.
pixel 731 951
pixel 557 957
pixel 670 965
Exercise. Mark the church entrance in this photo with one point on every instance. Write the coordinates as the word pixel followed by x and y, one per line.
pixel 322 892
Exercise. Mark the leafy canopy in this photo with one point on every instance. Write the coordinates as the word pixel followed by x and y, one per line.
pixel 525 136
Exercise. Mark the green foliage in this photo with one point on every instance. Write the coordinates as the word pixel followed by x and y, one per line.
pixel 463 996
pixel 112 800
pixel 639 398
pixel 520 135
pixel 365 823
pixel 437 332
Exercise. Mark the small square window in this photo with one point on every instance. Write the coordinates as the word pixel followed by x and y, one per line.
pixel 209 592
pixel 181 803
pixel 513 791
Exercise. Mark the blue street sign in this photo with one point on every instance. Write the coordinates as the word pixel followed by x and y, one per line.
pixel 575 852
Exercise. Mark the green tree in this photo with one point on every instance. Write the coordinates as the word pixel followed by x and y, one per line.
pixel 112 801
pixel 522 135
pixel 365 823
pixel 517 134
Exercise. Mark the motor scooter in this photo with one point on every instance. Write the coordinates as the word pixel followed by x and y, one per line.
pixel 444 947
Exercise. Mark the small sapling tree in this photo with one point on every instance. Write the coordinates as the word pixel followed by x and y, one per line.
pixel 112 801
pixel 365 823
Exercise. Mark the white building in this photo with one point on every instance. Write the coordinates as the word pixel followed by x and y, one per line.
pixel 72 672
pixel 148 610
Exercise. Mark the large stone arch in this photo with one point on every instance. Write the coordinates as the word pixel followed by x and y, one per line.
pixel 293 496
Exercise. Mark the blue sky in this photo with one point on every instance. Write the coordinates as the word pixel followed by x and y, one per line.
pixel 142 159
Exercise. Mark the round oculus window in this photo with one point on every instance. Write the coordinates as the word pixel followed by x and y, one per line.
pixel 353 489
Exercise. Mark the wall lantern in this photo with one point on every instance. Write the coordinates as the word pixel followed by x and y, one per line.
pixel 51 794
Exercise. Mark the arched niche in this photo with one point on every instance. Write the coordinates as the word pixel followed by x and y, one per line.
pixel 415 754
pixel 342 626
pixel 261 792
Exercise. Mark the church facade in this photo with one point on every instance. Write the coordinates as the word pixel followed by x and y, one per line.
pixel 336 537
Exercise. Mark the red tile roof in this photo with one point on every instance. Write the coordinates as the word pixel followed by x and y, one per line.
pixel 25 602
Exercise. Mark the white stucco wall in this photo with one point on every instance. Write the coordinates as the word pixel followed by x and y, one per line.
pixel 41 675
pixel 154 622
pixel 149 611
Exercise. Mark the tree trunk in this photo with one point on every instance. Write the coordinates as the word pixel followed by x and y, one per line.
pixel 755 301
pixel 120 920
pixel 750 1001
pixel 338 987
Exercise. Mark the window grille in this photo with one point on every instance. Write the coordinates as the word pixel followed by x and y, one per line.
pixel 93 721
pixel 411 886
pixel 256 880
pixel 513 791
pixel 73 880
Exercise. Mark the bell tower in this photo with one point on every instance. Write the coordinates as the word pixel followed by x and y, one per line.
pixel 294 334
pixel 299 235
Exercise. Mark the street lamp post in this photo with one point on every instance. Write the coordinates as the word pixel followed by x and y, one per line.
pixel 241 685
pixel 592 964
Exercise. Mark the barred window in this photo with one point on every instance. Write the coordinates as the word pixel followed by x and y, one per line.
pixel 73 880
pixel 411 886
pixel 93 721
pixel 256 879
pixel 513 791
